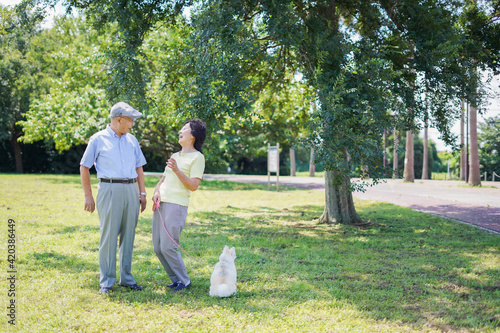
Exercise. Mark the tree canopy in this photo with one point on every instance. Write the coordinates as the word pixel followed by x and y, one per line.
pixel 366 66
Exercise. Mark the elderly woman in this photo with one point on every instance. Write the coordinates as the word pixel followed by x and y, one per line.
pixel 182 176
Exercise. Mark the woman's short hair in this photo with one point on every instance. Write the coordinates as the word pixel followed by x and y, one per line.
pixel 199 131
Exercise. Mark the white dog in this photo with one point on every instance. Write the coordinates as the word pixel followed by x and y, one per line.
pixel 223 280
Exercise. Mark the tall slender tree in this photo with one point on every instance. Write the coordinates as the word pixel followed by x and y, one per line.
pixel 463 159
pixel 425 162
pixel 395 159
pixel 474 172
pixel 480 23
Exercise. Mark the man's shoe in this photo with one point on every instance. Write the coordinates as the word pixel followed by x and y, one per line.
pixel 104 290
pixel 134 286
pixel 173 285
pixel 181 286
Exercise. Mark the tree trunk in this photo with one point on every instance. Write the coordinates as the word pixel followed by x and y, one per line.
pixel 292 162
pixel 339 205
pixel 409 173
pixel 474 175
pixel 463 158
pixel 16 147
pixel 312 167
pixel 384 157
pixel 395 162
pixel 425 163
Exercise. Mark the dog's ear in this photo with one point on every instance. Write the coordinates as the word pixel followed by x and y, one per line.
pixel 226 248
pixel 233 252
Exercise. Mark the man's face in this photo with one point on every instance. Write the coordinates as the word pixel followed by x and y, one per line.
pixel 125 124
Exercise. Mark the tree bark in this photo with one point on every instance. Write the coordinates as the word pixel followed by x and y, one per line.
pixel 409 172
pixel 395 162
pixel 463 158
pixel 292 162
pixel 474 175
pixel 425 163
pixel 312 167
pixel 339 205
pixel 18 155
pixel 384 157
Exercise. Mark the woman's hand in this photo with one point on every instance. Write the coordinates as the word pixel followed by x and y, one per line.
pixel 156 197
pixel 172 164
pixel 189 183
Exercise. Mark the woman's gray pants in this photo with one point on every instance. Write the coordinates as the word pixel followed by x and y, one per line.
pixel 174 220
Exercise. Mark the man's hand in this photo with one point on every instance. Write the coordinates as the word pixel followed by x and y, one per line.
pixel 143 201
pixel 89 204
pixel 87 189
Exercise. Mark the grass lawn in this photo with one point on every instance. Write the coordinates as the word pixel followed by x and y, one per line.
pixel 406 272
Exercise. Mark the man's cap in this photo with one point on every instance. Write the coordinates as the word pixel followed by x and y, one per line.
pixel 122 109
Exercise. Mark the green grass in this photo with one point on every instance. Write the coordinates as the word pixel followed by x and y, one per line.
pixel 406 272
pixel 319 174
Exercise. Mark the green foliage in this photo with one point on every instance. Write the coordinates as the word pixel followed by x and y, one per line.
pixel 364 67
pixel 278 116
pixel 480 23
pixel 365 62
pixel 75 104
pixel 489 147
pixel 131 22
pixel 18 27
pixel 352 118
pixel 163 56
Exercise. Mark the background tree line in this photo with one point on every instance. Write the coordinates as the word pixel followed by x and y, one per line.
pixel 330 75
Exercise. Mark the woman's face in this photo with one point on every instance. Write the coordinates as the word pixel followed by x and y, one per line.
pixel 185 136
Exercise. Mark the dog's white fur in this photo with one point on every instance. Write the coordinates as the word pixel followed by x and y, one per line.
pixel 223 279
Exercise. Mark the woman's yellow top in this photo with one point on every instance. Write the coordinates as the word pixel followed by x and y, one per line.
pixel 172 190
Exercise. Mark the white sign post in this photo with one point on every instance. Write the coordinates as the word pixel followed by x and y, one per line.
pixel 273 165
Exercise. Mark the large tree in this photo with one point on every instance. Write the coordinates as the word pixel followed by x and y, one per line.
pixel 480 22
pixel 18 26
pixel 363 59
pixel 360 58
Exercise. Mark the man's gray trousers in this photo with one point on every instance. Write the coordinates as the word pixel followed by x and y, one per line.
pixel 118 208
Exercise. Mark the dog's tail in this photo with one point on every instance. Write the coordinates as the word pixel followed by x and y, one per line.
pixel 222 290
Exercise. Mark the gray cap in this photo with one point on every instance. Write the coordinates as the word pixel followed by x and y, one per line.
pixel 122 109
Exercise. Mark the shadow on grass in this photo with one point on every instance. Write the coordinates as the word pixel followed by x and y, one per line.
pixel 77 229
pixel 405 267
pixel 61 263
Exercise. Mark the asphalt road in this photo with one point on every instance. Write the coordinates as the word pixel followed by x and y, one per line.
pixel 479 206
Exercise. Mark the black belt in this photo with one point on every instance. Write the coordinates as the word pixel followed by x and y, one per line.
pixel 121 181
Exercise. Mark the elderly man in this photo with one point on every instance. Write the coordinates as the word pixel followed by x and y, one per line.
pixel 118 160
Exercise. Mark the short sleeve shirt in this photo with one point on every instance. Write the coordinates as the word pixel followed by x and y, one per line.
pixel 113 156
pixel 172 190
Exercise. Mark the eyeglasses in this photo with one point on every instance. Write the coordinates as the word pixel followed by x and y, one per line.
pixel 129 119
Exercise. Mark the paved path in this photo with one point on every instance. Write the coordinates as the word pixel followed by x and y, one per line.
pixel 452 199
